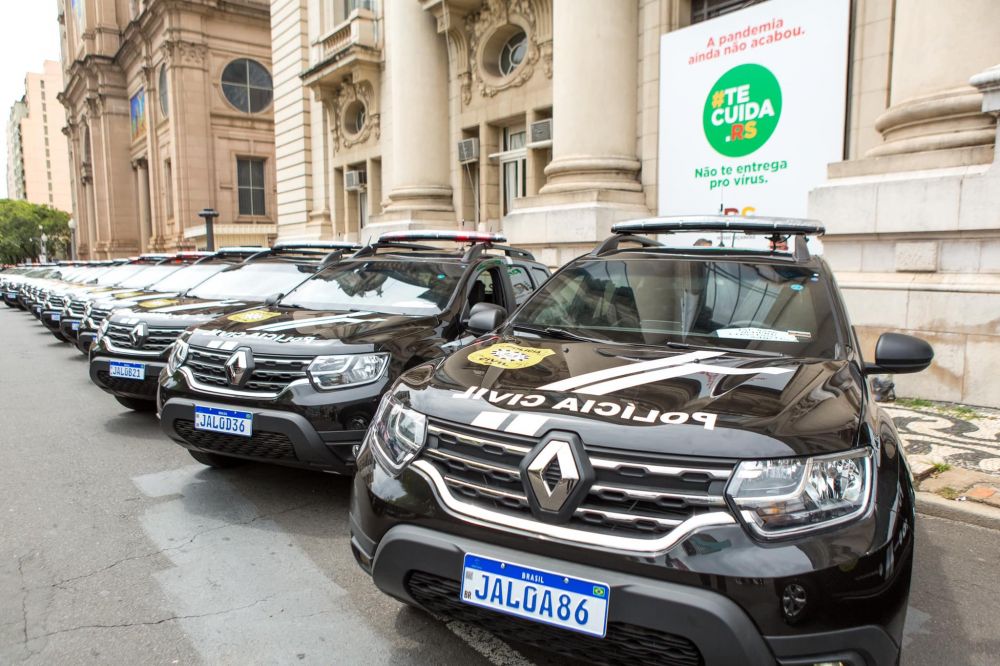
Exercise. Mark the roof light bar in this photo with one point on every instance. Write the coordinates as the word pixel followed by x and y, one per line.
pixel 431 235
pixel 748 225
pixel 316 245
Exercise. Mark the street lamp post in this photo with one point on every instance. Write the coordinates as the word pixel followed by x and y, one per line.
pixel 209 215
pixel 72 239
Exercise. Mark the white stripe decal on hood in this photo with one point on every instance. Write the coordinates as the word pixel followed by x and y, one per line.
pixel 632 368
pixel 603 388
pixel 351 318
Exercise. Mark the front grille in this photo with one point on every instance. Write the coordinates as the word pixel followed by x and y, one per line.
pixel 76 308
pixel 624 643
pixel 271 374
pixel 98 315
pixel 144 387
pixel 158 339
pixel 56 302
pixel 630 497
pixel 269 445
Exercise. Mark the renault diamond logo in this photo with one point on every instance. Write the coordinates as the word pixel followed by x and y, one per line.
pixel 553 474
pixel 137 336
pixel 239 367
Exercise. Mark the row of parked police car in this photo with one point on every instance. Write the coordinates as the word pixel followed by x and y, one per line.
pixel 657 455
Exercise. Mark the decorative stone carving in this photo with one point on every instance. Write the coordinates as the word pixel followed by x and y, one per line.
pixel 533 17
pixel 348 93
pixel 178 53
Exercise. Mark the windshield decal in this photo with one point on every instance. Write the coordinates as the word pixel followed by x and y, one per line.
pixel 509 356
pixel 158 302
pixel 351 318
pixel 755 333
pixel 251 316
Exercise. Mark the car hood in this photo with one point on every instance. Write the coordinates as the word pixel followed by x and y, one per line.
pixel 130 297
pixel 294 331
pixel 178 311
pixel 688 403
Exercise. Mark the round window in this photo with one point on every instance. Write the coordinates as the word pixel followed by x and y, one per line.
pixel 162 89
pixel 247 85
pixel 512 53
pixel 355 116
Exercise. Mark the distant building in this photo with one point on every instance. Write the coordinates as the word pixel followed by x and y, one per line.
pixel 37 155
pixel 169 111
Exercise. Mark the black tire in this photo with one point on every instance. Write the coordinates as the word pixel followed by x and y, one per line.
pixel 137 404
pixel 215 460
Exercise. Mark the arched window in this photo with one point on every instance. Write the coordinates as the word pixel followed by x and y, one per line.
pixel 247 85
pixel 162 89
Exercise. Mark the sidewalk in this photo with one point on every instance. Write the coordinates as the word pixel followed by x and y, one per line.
pixel 953 450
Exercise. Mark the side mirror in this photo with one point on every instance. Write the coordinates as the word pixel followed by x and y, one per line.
pixel 484 317
pixel 273 299
pixel 896 353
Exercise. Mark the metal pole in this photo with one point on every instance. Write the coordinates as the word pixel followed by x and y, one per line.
pixel 209 215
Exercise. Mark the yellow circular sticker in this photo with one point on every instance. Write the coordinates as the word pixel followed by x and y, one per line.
pixel 509 356
pixel 158 302
pixel 251 316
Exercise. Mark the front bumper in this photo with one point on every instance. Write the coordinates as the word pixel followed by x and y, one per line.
pixel 10 300
pixel 70 328
pixel 716 588
pixel 52 320
pixel 141 389
pixel 681 623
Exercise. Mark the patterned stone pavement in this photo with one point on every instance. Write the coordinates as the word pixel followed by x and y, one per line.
pixel 962 437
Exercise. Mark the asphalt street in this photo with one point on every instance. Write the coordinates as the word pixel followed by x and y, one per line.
pixel 117 548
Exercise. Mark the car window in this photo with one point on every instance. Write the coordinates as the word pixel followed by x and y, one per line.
pixel 732 304
pixel 521 282
pixel 253 282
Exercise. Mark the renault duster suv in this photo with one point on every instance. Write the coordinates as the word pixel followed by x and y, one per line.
pixel 665 456
pixel 134 343
pixel 297 382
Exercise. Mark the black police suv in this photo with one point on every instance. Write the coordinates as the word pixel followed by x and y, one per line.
pixel 665 456
pixel 298 381
pixel 134 343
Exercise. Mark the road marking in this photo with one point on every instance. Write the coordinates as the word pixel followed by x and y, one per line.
pixel 492 648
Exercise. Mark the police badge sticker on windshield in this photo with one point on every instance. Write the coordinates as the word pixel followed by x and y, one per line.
pixel 509 356
pixel 252 316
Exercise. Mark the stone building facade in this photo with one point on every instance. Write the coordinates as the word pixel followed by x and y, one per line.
pixel 540 118
pixel 169 110
pixel 37 157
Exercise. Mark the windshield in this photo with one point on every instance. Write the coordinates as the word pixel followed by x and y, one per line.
pixel 253 282
pixel 188 277
pixel 151 275
pixel 119 273
pixel 400 287
pixel 729 304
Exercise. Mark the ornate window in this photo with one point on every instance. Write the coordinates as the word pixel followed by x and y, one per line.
pixel 355 117
pixel 512 53
pixel 247 85
pixel 161 87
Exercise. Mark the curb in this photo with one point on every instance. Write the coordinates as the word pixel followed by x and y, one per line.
pixel 969 512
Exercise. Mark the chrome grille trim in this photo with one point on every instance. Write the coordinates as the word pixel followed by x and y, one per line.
pixel 653 495
pixel 526 526
pixel 485 490
pixel 462 438
pixel 205 372
pixel 474 464
pixel 629 518
pixel 659 470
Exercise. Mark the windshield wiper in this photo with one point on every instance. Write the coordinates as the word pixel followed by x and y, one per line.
pixel 750 352
pixel 556 332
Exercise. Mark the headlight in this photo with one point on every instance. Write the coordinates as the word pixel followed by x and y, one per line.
pixel 178 355
pixel 790 496
pixel 397 433
pixel 334 372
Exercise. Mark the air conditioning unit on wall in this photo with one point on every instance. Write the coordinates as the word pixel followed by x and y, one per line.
pixel 541 131
pixel 468 151
pixel 355 181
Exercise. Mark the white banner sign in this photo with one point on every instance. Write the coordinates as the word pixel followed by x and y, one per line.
pixel 752 108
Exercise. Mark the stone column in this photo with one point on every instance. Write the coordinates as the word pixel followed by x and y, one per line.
pixel 92 233
pixel 595 73
pixel 417 64
pixel 142 176
pixel 936 47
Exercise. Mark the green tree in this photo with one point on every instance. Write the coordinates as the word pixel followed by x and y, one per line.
pixel 21 227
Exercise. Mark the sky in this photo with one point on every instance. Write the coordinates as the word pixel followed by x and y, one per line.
pixel 29 35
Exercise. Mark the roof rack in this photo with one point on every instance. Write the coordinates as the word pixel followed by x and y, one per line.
pixel 316 245
pixel 775 228
pixel 479 243
pixel 439 235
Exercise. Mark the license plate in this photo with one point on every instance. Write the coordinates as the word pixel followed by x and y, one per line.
pixel 128 370
pixel 75 325
pixel 223 420
pixel 11 295
pixel 56 317
pixel 534 594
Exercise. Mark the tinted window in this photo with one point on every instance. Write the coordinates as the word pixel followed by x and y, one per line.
pixel 151 275
pixel 731 304
pixel 253 282
pixel 188 277
pixel 521 282
pixel 401 287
